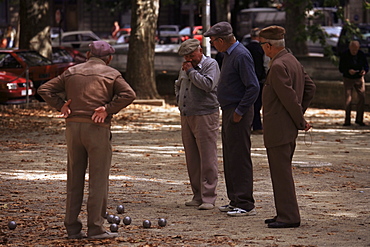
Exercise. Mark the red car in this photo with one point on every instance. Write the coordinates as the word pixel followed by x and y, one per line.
pixel 65 57
pixel 40 68
pixel 122 31
pixel 13 89
pixel 197 33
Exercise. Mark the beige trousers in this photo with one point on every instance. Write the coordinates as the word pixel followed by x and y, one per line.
pixel 199 136
pixel 88 145
pixel 359 86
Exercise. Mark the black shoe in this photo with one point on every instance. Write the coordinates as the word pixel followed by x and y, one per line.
pixel 360 123
pixel 268 221
pixel 346 124
pixel 278 224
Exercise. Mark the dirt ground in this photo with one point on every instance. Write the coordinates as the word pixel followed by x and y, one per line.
pixel 149 177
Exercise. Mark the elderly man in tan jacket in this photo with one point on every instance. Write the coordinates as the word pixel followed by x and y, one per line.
pixel 287 93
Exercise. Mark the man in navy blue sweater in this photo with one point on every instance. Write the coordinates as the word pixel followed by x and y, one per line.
pixel 237 91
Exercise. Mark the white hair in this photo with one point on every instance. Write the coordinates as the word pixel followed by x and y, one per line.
pixel 277 43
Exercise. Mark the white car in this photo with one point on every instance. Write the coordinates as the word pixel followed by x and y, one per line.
pixel 79 40
pixel 331 35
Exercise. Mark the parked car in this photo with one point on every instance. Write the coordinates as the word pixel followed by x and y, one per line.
pixel 197 33
pixel 168 34
pixel 126 30
pixel 54 32
pixel 13 88
pixel 65 57
pixel 123 38
pixel 40 68
pixel 331 35
pixel 76 39
pixel 363 38
pixel 246 39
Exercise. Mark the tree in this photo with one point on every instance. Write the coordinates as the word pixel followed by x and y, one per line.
pixel 34 26
pixel 295 25
pixel 140 71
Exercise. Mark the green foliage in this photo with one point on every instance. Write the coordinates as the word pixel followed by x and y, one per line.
pixel 299 6
pixel 350 31
pixel 366 5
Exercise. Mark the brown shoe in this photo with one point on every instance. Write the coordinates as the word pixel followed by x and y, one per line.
pixel 257 132
pixel 278 224
pixel 79 235
pixel 104 235
pixel 206 206
pixel 193 203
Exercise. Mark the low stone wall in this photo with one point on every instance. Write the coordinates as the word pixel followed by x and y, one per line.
pixel 330 94
pixel 322 69
pixel 328 80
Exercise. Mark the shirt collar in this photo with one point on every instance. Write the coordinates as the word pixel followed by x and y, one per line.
pixel 232 47
pixel 199 65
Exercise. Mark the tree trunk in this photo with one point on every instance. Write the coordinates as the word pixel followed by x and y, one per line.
pixel 140 73
pixel 34 26
pixel 296 34
pixel 223 11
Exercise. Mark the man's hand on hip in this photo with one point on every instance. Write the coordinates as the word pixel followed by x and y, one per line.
pixel 99 115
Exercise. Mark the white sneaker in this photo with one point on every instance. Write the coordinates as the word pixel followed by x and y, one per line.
pixel 104 235
pixel 226 208
pixel 236 212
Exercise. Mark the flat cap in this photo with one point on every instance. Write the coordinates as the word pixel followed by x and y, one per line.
pixel 188 46
pixel 101 48
pixel 255 32
pixel 273 33
pixel 219 29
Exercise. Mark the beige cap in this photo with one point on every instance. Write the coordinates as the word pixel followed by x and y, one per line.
pixel 188 46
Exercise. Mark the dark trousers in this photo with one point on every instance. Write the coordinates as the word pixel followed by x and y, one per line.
pixel 236 145
pixel 280 162
pixel 359 86
pixel 257 123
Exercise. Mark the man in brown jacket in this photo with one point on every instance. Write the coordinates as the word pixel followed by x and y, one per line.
pixel 94 92
pixel 287 93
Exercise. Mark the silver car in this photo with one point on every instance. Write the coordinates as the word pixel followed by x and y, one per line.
pixel 76 39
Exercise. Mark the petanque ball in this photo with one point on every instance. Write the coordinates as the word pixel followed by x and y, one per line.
pixel 12 225
pixel 116 220
pixel 127 220
pixel 162 222
pixel 113 227
pixel 110 218
pixel 105 215
pixel 147 224
pixel 120 209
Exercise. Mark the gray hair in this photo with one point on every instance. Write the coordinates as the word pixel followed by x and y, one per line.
pixel 228 38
